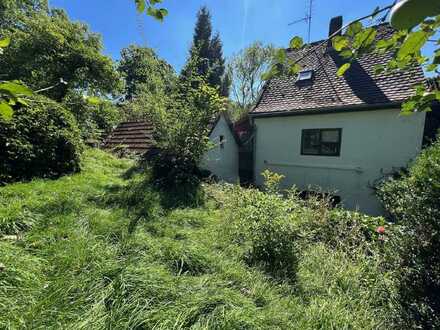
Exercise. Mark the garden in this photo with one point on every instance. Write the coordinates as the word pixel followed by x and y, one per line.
pixel 92 241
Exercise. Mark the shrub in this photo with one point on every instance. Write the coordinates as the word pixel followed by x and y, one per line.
pixel 41 140
pixel 93 119
pixel 414 202
pixel 182 129
pixel 266 225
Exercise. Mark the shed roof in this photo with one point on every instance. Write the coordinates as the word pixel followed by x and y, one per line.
pixel 134 136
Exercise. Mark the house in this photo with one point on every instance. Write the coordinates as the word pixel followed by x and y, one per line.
pixel 341 134
pixel 222 160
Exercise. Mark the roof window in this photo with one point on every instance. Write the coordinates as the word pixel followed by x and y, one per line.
pixel 305 75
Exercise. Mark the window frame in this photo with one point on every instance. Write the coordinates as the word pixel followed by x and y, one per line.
pixel 307 71
pixel 337 154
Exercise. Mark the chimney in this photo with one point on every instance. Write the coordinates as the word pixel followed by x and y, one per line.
pixel 335 25
pixel 334 29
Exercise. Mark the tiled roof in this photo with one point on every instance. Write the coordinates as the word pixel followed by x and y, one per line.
pixel 358 87
pixel 135 137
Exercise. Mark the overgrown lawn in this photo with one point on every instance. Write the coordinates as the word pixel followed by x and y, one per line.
pixel 97 251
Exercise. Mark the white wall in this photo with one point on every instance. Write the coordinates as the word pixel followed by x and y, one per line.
pixel 222 162
pixel 373 143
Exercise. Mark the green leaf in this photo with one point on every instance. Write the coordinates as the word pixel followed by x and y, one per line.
pixel 163 12
pixel 93 100
pixel 412 44
pixel 354 29
pixel 280 56
pixel 379 68
pixel 21 101
pixel 15 88
pixel 431 67
pixel 140 5
pixel 294 69
pixel 343 69
pixel 340 43
pixel 159 14
pixel 296 43
pixel 6 111
pixel 270 74
pixel 365 38
pixel 5 42
pixel 409 106
pixel 347 53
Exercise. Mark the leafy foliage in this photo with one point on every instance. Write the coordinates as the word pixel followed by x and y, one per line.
pixel 182 129
pixel 264 223
pixel 41 140
pixel 94 117
pixel 48 51
pixel 413 201
pixel 149 6
pixel 11 93
pixel 144 72
pixel 245 70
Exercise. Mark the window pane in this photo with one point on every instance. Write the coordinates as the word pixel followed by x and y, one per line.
pixel 305 75
pixel 330 148
pixel 311 142
pixel 330 136
pixel 324 142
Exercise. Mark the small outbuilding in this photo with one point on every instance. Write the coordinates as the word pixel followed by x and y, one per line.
pixel 222 160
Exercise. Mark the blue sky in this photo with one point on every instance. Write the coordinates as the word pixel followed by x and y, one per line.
pixel 240 22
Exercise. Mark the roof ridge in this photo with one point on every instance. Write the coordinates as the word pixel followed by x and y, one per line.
pixel 317 42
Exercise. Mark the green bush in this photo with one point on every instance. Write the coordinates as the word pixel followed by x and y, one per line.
pixel 182 125
pixel 41 140
pixel 266 225
pixel 414 202
pixel 92 119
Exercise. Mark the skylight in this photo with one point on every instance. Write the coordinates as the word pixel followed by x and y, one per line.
pixel 305 75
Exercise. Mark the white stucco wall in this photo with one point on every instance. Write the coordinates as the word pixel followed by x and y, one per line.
pixel 222 162
pixel 373 143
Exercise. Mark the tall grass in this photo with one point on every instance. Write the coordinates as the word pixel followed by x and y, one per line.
pixel 98 251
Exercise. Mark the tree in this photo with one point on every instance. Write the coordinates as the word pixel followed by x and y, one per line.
pixel 10 10
pixel 143 71
pixel 209 53
pixel 217 76
pixel 48 50
pixel 245 70
pixel 181 124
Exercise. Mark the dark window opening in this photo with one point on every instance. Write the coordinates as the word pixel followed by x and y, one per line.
pixel 222 141
pixel 321 142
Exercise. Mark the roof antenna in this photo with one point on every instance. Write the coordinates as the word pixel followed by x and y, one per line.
pixel 307 19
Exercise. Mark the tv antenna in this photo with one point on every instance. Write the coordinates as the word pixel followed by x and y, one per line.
pixel 307 19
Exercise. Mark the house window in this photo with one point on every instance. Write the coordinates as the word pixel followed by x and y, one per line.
pixel 222 141
pixel 321 142
pixel 305 75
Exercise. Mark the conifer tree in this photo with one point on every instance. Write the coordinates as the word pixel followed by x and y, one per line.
pixel 208 50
